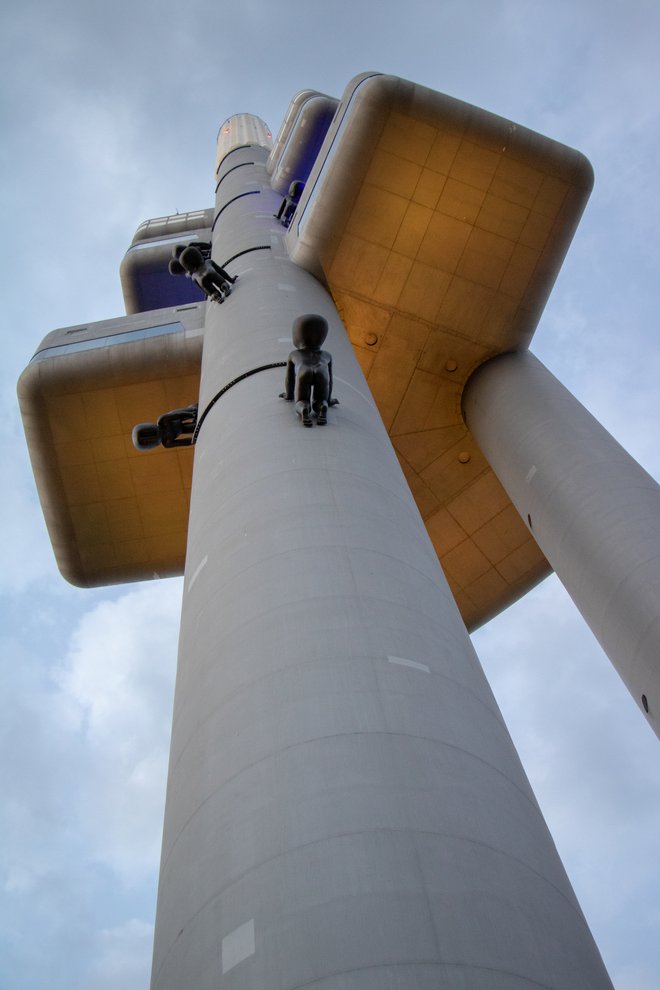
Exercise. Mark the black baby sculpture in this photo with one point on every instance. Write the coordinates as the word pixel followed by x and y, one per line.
pixel 290 202
pixel 309 371
pixel 213 280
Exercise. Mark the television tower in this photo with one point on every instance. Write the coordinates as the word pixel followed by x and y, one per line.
pixel 345 808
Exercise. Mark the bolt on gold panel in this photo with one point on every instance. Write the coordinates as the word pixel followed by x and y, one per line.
pixel 439 229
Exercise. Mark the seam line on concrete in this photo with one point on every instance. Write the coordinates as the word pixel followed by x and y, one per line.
pixel 291 551
pixel 307 599
pixel 289 469
pixel 276 674
pixel 345 735
pixel 526 980
pixel 360 656
pixel 411 831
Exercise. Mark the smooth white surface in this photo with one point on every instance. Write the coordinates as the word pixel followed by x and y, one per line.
pixel 593 510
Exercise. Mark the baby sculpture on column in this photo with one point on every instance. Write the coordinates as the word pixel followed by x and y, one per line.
pixel 194 262
pixel 308 378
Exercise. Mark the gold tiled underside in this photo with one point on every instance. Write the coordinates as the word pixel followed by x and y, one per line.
pixel 440 266
pixel 128 510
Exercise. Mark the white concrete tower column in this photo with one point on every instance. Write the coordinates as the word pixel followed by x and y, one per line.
pixel 594 512
pixel 345 808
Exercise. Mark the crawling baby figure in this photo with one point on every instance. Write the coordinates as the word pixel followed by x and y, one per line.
pixel 308 378
pixel 213 280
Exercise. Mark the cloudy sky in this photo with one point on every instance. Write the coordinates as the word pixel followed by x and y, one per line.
pixel 110 112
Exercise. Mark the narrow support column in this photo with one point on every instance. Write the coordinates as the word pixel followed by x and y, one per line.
pixel 594 512
pixel 345 808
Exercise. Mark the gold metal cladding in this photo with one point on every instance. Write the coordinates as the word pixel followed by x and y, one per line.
pixel 113 514
pixel 439 228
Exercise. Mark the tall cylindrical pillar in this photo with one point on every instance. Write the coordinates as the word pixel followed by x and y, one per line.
pixel 594 512
pixel 345 808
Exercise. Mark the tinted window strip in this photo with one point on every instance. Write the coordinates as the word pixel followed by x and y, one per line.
pixel 124 337
pixel 331 150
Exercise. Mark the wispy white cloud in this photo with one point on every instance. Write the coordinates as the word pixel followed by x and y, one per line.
pixel 124 956
pixel 118 678
pixel 83 802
